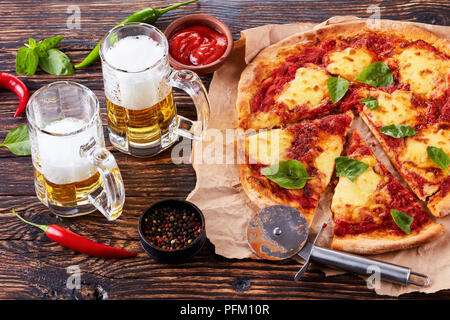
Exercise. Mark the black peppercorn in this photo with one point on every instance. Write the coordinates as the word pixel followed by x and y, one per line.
pixel 172 228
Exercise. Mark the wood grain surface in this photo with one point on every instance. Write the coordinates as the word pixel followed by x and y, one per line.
pixel 33 267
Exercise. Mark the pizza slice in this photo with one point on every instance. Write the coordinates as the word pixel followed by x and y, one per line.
pixel 296 88
pixel 406 126
pixel 293 165
pixel 373 212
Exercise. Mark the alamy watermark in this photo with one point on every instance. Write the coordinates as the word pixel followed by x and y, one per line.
pixel 374 280
pixel 374 20
pixel 231 146
pixel 74 19
pixel 74 280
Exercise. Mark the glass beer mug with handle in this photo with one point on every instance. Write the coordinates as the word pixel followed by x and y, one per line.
pixel 142 116
pixel 74 173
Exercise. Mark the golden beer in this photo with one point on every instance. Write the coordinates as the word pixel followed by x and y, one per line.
pixel 141 126
pixel 66 195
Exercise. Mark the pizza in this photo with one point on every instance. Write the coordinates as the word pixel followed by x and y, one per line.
pixel 314 144
pixel 396 78
pixel 365 209
pixel 430 125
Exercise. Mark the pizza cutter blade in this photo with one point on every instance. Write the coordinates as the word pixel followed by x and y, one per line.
pixel 280 232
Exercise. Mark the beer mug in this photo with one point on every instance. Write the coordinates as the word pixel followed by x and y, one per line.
pixel 138 80
pixel 73 172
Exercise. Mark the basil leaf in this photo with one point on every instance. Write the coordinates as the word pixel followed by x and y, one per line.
pixel 337 87
pixel 398 131
pixel 439 157
pixel 47 122
pixel 18 141
pixel 44 45
pixel 113 39
pixel 41 53
pixel 56 63
pixel 350 168
pixel 376 74
pixel 26 61
pixel 49 43
pixel 31 43
pixel 402 220
pixel 371 103
pixel 290 174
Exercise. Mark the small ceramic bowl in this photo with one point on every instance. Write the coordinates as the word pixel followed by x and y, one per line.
pixel 205 20
pixel 178 255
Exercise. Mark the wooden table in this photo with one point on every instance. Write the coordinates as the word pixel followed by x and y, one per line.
pixel 32 266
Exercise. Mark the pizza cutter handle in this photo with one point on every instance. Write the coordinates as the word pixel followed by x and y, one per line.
pixel 368 267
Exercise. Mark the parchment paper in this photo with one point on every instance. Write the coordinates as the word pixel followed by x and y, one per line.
pixel 218 192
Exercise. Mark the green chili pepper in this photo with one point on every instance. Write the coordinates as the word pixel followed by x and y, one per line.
pixel 147 15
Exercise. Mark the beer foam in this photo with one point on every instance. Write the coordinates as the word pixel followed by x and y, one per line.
pixel 134 53
pixel 137 89
pixel 59 156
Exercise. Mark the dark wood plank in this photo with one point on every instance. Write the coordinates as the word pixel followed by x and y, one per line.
pixel 29 258
pixel 33 267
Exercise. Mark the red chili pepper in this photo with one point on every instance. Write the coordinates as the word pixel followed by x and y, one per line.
pixel 10 82
pixel 78 243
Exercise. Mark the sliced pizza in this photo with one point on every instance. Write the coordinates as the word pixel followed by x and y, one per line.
pixel 293 165
pixel 406 128
pixel 397 78
pixel 373 212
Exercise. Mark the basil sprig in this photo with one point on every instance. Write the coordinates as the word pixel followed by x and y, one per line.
pixel 290 174
pixel 18 141
pixel 45 55
pixel 439 157
pixel 337 87
pixel 402 220
pixel 350 168
pixel 398 131
pixel 27 61
pixel 376 74
pixel 371 103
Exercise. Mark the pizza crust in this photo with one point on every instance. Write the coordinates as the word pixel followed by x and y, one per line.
pixel 258 195
pixel 367 244
pixel 439 204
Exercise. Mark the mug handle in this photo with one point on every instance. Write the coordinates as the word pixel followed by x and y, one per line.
pixel 190 83
pixel 111 199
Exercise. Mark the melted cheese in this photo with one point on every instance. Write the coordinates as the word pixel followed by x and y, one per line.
pixel 425 72
pixel 348 195
pixel 395 108
pixel 268 147
pixel 265 120
pixel 308 88
pixel 325 161
pixel 416 146
pixel 272 146
pixel 349 63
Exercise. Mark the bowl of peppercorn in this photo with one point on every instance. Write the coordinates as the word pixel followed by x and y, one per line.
pixel 172 230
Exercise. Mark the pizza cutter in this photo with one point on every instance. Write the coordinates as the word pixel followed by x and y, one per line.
pixel 280 232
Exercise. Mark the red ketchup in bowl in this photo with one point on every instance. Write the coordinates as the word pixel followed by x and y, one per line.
pixel 197 45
